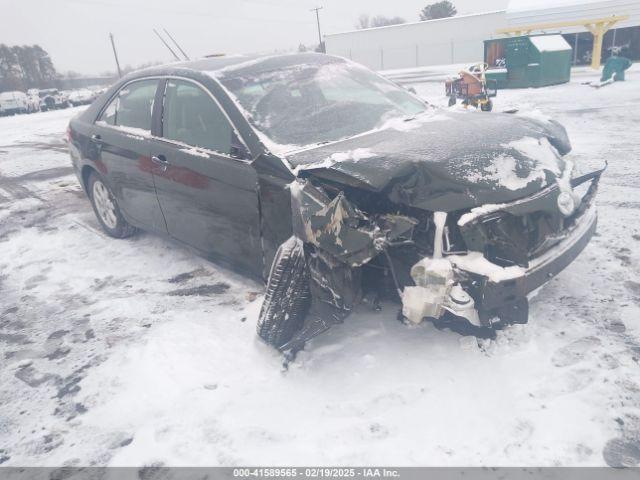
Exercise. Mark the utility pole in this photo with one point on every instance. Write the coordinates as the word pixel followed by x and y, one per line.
pixel 321 43
pixel 115 54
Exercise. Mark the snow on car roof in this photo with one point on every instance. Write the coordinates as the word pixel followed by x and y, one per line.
pixel 230 63
pixel 550 43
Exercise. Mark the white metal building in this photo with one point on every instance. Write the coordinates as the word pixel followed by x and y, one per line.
pixel 433 42
pixel 460 39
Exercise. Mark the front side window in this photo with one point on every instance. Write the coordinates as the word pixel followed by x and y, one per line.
pixel 192 117
pixel 132 106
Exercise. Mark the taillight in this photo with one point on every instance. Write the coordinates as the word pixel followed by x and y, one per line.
pixel 68 134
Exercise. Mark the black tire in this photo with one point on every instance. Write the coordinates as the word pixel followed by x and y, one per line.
pixel 288 297
pixel 452 101
pixel 119 228
pixel 486 107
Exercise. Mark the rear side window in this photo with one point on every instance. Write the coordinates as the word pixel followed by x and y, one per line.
pixel 192 117
pixel 132 106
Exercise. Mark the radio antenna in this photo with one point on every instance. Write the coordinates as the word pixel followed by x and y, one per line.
pixel 166 45
pixel 176 44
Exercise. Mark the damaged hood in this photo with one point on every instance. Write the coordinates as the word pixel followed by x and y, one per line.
pixel 445 160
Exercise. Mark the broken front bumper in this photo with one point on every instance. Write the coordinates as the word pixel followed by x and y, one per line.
pixel 492 288
pixel 508 284
pixel 496 286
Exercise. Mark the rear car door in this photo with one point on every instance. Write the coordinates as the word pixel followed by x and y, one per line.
pixel 121 143
pixel 207 189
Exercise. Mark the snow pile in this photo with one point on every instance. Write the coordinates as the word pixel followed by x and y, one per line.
pixel 476 262
pixel 539 150
pixel 412 123
pixel 530 111
pixel 480 211
pixel 504 172
pixel 536 157
pixel 195 151
pixel 354 155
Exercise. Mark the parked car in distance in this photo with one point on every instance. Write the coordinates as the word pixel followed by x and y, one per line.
pixel 82 96
pixel 52 98
pixel 33 100
pixel 13 102
pixel 334 184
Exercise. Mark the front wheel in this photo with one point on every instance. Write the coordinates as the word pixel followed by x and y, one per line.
pixel 288 298
pixel 487 106
pixel 106 208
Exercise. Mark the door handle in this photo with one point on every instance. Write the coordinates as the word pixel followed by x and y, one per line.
pixel 96 138
pixel 161 161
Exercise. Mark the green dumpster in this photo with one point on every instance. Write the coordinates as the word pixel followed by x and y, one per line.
pixel 528 61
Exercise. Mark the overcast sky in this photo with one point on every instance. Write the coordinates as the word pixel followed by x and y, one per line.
pixel 75 32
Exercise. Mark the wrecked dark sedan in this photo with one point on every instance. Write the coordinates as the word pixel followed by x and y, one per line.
pixel 333 185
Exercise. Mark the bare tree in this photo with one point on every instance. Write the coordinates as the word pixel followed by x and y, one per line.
pixel 364 21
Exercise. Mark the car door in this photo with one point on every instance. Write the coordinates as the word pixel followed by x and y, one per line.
pixel 207 189
pixel 122 146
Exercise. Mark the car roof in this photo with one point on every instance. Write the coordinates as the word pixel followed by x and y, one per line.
pixel 213 65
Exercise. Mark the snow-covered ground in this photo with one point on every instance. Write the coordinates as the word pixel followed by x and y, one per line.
pixel 111 354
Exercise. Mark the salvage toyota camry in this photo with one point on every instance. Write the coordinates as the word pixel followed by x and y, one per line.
pixel 334 184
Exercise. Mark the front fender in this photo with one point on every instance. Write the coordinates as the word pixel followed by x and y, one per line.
pixel 339 228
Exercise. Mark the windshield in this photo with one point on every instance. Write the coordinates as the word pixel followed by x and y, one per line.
pixel 310 103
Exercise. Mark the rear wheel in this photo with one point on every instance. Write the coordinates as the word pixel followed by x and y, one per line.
pixel 287 300
pixel 106 208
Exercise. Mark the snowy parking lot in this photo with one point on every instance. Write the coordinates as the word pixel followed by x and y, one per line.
pixel 138 352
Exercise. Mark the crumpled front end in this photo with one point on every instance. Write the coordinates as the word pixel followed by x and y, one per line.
pixel 470 267
pixel 458 235
pixel 340 241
